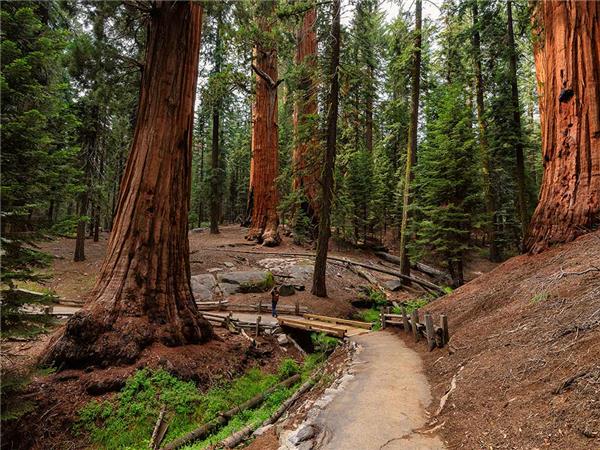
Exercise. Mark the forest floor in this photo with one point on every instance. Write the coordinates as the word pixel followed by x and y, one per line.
pixel 524 351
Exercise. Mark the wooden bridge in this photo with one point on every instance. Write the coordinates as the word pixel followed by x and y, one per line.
pixel 332 326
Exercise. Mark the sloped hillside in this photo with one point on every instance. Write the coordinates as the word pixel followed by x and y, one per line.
pixel 525 353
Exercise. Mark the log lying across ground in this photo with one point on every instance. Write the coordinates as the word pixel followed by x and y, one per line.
pixel 223 418
pixel 237 438
pixel 434 287
pixel 426 269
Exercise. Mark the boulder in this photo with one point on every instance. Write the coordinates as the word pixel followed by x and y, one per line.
pixel 282 339
pixel 247 281
pixel 203 287
pixel 285 290
pixel 393 285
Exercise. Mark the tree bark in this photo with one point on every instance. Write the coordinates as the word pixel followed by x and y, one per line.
pixel 143 293
pixel 520 159
pixel 411 154
pixel 264 166
pixel 306 149
pixel 319 287
pixel 80 239
pixel 215 192
pixel 567 58
pixel 490 200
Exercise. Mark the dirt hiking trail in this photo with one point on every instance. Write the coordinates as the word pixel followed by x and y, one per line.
pixel 384 404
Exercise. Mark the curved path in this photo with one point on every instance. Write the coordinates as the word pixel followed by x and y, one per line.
pixel 383 404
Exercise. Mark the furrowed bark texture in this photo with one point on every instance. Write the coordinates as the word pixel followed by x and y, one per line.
pixel 143 293
pixel 264 166
pixel 319 287
pixel 567 57
pixel 306 150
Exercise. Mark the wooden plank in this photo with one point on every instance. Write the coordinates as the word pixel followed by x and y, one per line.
pixel 313 326
pixel 405 322
pixel 414 319
pixel 429 331
pixel 354 323
pixel 444 326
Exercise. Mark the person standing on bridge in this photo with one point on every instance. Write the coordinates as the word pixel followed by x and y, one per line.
pixel 274 300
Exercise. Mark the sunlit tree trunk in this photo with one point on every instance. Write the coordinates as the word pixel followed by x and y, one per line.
pixel 306 149
pixel 411 155
pixel 143 292
pixel 567 58
pixel 319 287
pixel 264 166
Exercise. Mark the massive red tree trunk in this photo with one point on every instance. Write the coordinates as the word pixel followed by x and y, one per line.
pixel 143 293
pixel 567 59
pixel 306 161
pixel 264 167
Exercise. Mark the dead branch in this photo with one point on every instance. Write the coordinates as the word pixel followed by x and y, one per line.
pixel 265 76
pixel 562 273
pixel 444 398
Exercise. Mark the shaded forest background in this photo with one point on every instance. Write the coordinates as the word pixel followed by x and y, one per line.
pixel 70 83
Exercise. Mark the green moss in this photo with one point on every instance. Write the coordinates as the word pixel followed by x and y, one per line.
pixel 126 421
pixel 261 286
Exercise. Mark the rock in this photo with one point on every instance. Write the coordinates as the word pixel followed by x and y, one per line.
pixel 393 285
pixel 203 286
pixel 282 339
pixel 302 434
pixel 307 445
pixel 285 290
pixel 248 281
pixel 228 264
pixel 229 289
pixel 197 230
pixel 262 430
pixel 214 269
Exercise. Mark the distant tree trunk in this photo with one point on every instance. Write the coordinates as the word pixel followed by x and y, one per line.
pixel 306 149
pixel 411 155
pixel 319 287
pixel 567 59
pixel 369 110
pixel 143 293
pixel 490 200
pixel 520 159
pixel 97 224
pixel 80 239
pixel 199 204
pixel 215 192
pixel 264 166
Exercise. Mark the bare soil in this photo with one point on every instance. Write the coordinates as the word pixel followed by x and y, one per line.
pixel 527 336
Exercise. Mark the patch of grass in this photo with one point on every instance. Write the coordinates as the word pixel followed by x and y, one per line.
pixel 126 421
pixel 539 297
pixel 372 316
pixel 411 305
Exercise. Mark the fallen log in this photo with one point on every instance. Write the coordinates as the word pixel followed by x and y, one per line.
pixel 421 267
pixel 237 438
pixel 427 284
pixel 223 418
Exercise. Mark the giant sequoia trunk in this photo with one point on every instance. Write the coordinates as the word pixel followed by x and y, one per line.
pixel 567 58
pixel 143 292
pixel 264 167
pixel 319 287
pixel 306 149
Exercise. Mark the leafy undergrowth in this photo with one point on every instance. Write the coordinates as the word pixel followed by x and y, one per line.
pixel 373 315
pixel 127 420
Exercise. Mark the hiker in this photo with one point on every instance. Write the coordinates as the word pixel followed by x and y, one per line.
pixel 274 300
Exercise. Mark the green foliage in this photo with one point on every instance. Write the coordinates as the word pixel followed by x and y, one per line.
pixel 288 368
pixel 323 343
pixel 374 297
pixel 371 315
pixel 127 420
pixel 411 305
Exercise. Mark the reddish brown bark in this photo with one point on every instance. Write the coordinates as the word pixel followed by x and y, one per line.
pixel 567 58
pixel 306 161
pixel 143 293
pixel 264 166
